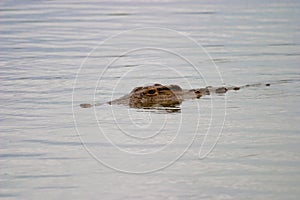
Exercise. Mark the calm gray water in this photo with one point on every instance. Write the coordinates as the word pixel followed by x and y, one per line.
pixel 55 55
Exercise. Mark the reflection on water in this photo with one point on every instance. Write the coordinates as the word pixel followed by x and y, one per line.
pixel 43 45
pixel 163 109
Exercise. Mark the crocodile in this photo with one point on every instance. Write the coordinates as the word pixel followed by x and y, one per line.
pixel 158 95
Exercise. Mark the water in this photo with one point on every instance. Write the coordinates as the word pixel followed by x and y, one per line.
pixel 45 45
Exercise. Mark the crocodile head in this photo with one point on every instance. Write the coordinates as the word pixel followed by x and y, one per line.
pixel 156 95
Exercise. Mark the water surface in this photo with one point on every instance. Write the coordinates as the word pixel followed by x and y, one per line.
pixel 45 45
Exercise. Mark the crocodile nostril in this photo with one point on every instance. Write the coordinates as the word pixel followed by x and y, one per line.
pixel 151 91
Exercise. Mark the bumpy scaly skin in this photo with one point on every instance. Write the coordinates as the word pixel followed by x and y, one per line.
pixel 158 95
pixel 154 96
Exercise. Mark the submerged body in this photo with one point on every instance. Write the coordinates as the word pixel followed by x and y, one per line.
pixel 159 95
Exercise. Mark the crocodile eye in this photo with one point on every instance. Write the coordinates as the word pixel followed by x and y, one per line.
pixel 151 91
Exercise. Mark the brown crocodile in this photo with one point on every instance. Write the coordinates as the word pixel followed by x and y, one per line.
pixel 159 95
